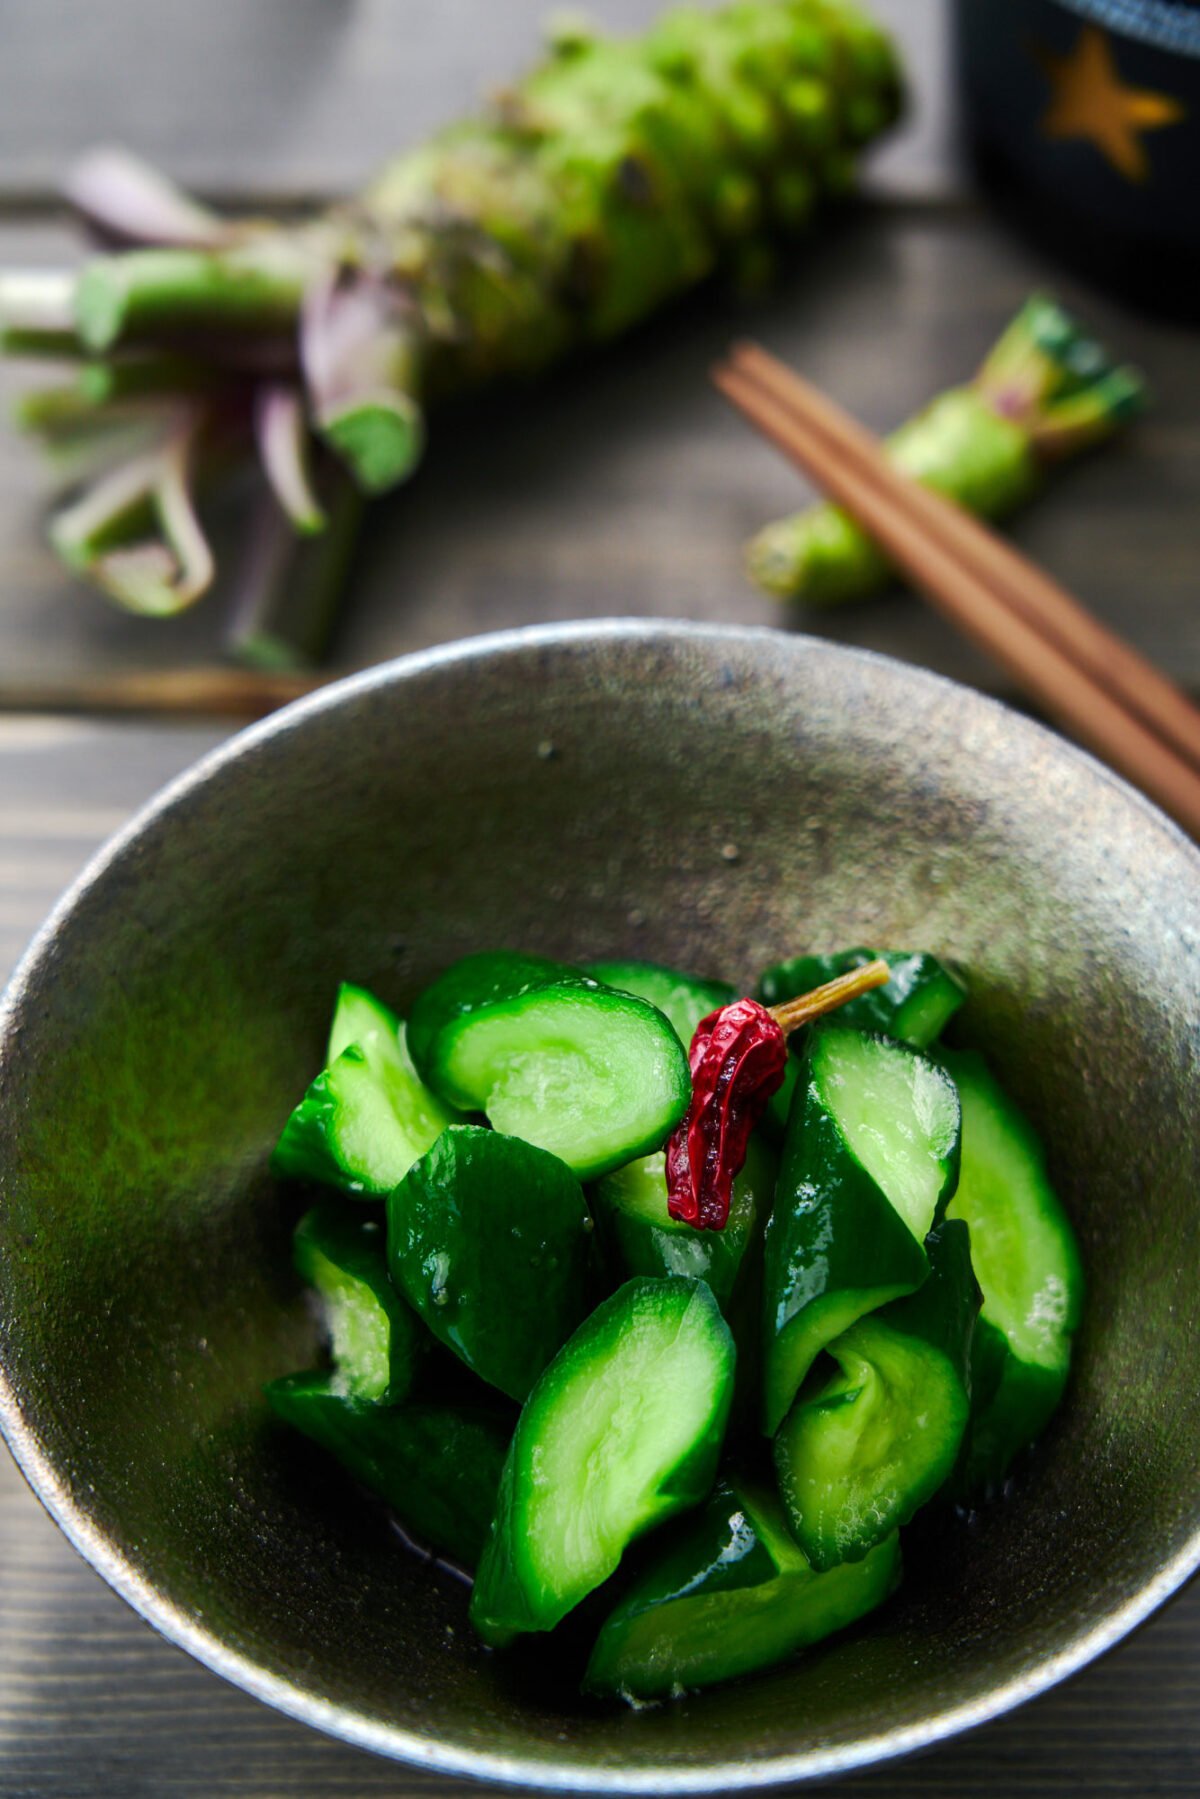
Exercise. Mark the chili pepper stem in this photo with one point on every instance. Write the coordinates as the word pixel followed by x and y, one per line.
pixel 828 998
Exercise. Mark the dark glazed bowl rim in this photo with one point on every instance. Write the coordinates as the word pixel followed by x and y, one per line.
pixel 408 1745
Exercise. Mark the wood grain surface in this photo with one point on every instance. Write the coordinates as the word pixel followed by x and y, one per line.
pixel 625 486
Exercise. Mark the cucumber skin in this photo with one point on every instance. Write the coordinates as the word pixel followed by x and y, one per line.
pixel 437 1467
pixel 633 1244
pixel 502 1607
pixel 941 1317
pixel 683 999
pixel 340 1234
pixel 914 1006
pixel 307 1146
pixel 833 1239
pixel 1013 1399
pixel 365 1044
pixel 489 978
pixel 491 981
pixel 944 1311
pixel 718 1604
pixel 515 1282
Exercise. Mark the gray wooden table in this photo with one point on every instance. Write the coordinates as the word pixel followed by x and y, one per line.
pixel 625 487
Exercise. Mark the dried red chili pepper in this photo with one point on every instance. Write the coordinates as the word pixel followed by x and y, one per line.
pixel 738 1059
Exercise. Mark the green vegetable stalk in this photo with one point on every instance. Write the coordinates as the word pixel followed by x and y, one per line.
pixel 612 178
pixel 1045 391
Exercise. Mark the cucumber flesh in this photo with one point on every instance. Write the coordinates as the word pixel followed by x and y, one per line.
pixel 621 1431
pixel 375 1340
pixel 683 999
pixel 359 1018
pixel 869 1159
pixel 367 1117
pixel 880 1438
pixel 1022 1245
pixel 1027 1262
pixel 899 1117
pixel 731 1594
pixel 640 1237
pixel 596 1078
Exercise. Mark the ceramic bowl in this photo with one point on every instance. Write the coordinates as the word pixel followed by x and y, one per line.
pixel 712 798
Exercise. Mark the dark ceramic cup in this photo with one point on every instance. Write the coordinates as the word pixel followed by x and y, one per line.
pixel 713 798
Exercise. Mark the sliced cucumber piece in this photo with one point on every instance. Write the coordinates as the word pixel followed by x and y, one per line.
pixel 595 1076
pixel 488 1240
pixel 914 1005
pixel 869 1161
pixel 856 1460
pixel 367 1117
pixel 1027 1262
pixel 361 1019
pixel 622 1430
pixel 732 1594
pixel 375 1338
pixel 639 1236
pixel 437 1466
pixel 682 998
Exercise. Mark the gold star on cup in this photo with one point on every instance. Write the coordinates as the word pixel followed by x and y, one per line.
pixel 1089 100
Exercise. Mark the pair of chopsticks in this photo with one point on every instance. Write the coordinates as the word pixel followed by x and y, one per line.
pixel 1079 672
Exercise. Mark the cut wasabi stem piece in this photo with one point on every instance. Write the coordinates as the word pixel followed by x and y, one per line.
pixel 281 431
pixel 1027 1261
pixel 361 367
pixel 85 452
pixel 869 1162
pixel 683 998
pixel 135 533
pixel 367 1117
pixel 147 386
pixel 858 1457
pixel 287 591
pixel 37 313
pixel 256 286
pixel 595 1076
pixel 489 1241
pixel 125 198
pixel 379 436
pixel 436 1466
pixel 375 1339
pixel 731 1594
pixel 621 1432
pixel 1046 391
pixel 640 1237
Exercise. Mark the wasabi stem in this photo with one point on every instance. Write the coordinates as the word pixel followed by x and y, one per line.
pixel 1045 392
pixel 608 181
pixel 285 589
pixel 126 200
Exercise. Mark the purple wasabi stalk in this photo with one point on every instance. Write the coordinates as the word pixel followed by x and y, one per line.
pixel 1045 392
pixel 609 180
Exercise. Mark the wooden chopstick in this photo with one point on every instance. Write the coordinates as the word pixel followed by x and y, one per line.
pixel 851 466
pixel 1113 662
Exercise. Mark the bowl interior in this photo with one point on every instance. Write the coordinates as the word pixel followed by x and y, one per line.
pixel 711 799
